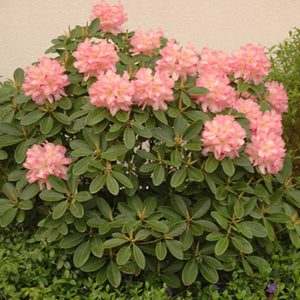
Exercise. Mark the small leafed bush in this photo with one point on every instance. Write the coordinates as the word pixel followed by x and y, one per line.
pixel 139 154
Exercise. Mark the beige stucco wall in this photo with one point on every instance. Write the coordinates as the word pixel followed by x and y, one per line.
pixel 27 26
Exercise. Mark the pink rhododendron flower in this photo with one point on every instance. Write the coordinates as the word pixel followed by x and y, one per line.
pixel 112 91
pixel 214 61
pixel 250 108
pixel 95 59
pixel 44 160
pixel 268 122
pixel 178 62
pixel 251 63
pixel 153 90
pixel 277 96
pixel 223 136
pixel 221 95
pixel 46 81
pixel 266 151
pixel 145 43
pixel 111 17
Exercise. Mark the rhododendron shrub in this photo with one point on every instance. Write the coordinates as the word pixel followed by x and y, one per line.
pixel 147 157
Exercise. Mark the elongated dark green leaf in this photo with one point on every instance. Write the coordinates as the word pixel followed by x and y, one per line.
pixel 71 240
pixel 161 250
pixel 50 195
pixel 19 76
pixel 193 130
pixel 5 205
pixel 8 216
pixel 60 209
pixel 97 183
pixel 211 164
pixel 189 272
pixel 221 245
pixel 94 26
pixel 161 116
pixel 82 254
pixel 242 244
pixel 209 273
pixel 3 155
pixel 195 174
pixel 158 175
pixel 113 274
pixel 46 124
pixel 81 166
pixel 198 90
pixel 11 129
pixel 62 118
pixel 175 248
pixel 30 191
pixel 112 185
pixel 57 183
pixel 25 205
pixel 139 256
pixel 114 152
pixel 158 225
pixel 123 179
pixel 95 116
pixel 20 152
pixel 93 264
pixel 228 166
pixel 97 246
pixel 111 243
pixel 178 177
pixel 129 138
pixel 76 209
pixel 123 255
pixel 82 196
pixel 32 117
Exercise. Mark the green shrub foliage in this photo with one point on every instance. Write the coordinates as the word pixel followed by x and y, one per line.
pixel 139 195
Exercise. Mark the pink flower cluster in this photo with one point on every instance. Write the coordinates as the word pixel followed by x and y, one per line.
pixel 112 91
pixel 95 59
pixel 44 160
pixel 277 96
pixel 111 17
pixel 145 43
pixel 178 62
pixel 221 95
pixel 251 63
pixel 223 136
pixel 153 90
pixel 46 81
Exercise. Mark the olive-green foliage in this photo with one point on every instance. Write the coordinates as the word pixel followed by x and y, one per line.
pixel 285 58
pixel 139 195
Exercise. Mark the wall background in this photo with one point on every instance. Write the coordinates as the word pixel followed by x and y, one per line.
pixel 27 26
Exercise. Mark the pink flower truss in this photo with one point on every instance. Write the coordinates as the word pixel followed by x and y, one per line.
pixel 250 108
pixel 277 96
pixel 44 160
pixel 112 91
pixel 46 81
pixel 214 61
pixel 221 94
pixel 178 62
pixel 111 17
pixel 153 90
pixel 266 151
pixel 95 59
pixel 145 43
pixel 223 136
pixel 269 122
pixel 251 63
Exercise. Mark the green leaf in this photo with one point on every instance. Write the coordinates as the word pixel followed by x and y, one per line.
pixel 112 185
pixel 50 195
pixel 129 138
pixel 161 250
pixel 94 26
pixel 176 159
pixel 93 264
pixel 139 256
pixel 158 175
pixel 97 183
pixel 198 90
pixel 256 228
pixel 8 216
pixel 82 254
pixel 201 208
pixel 158 225
pixel 76 209
pixel 122 179
pixel 193 130
pixel 5 205
pixel 81 166
pixel 30 191
pixel 223 222
pixel 114 152
pixel 258 262
pixel 209 273
pixel 221 245
pixel 242 244
pixel 161 116
pixel 228 166
pixel 97 246
pixel 189 272
pixel 196 115
pixel 71 240
pixel 195 174
pixel 20 152
pixel 112 243
pixel 270 229
pixel 175 248
pixel 58 184
pixel 171 280
pixel 11 129
pixel 62 118
pixel 82 196
pixel 59 210
pixel 113 274
pixel 211 164
pixel 178 177
pixel 278 218
pixel 180 125
pixel 95 116
pixel 3 155
pixel 179 204
pixel 122 116
pixel 146 155
pixel 19 76
pixel 46 124
pixel 32 117
pixel 239 209
pixel 25 205
pixel 123 255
